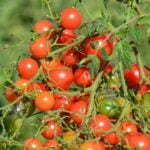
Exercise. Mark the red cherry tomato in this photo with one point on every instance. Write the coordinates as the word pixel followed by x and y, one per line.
pixel 27 68
pixel 37 86
pixel 70 57
pixel 40 48
pixel 144 87
pixel 43 27
pixel 61 78
pixel 10 94
pixel 100 124
pixel 132 76
pixel 52 144
pixel 78 111
pixel 67 36
pixel 102 42
pixel 52 129
pixel 32 144
pixel 128 126
pixel 108 69
pixel 83 77
pixel 22 84
pixel 92 145
pixel 61 101
pixel 71 18
pixel 139 141
pixel 112 138
pixel 44 101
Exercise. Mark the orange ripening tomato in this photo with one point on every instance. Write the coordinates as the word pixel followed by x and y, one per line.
pixel 44 101
pixel 52 144
pixel 10 94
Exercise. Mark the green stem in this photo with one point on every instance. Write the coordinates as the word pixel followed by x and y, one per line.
pixel 92 97
pixel 123 82
pixel 66 47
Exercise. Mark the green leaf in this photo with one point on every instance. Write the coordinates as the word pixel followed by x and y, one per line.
pixel 94 65
pixel 144 20
pixel 135 34
pixel 124 54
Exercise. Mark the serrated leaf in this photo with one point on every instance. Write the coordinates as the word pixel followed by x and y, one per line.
pixel 135 34
pixel 144 20
pixel 94 65
pixel 123 50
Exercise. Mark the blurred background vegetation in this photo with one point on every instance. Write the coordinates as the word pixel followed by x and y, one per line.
pixel 18 16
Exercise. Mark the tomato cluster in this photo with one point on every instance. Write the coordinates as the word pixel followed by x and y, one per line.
pixel 61 85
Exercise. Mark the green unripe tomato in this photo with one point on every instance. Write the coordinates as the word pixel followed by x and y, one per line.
pixel 109 108
pixel 146 99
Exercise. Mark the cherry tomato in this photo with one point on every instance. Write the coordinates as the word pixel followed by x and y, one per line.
pixel 27 68
pixel 40 48
pixel 109 108
pixel 100 124
pixel 102 42
pixel 69 138
pixel 70 57
pixel 37 86
pixel 22 84
pixel 143 88
pixel 51 65
pixel 10 94
pixel 92 145
pixel 128 126
pixel 108 69
pixel 71 18
pixel 61 78
pixel 52 144
pixel 44 101
pixel 83 77
pixel 78 111
pixel 132 76
pixel 52 129
pixel 67 36
pixel 139 141
pixel 112 138
pixel 43 27
pixel 32 144
pixel 61 101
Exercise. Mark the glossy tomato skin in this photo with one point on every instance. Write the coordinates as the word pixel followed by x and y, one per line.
pixel 112 138
pixel 44 101
pixel 109 108
pixel 22 84
pixel 52 65
pixel 83 77
pixel 62 101
pixel 132 76
pixel 10 94
pixel 27 68
pixel 37 87
pixel 61 78
pixel 51 144
pixel 100 124
pixel 67 36
pixel 129 127
pixel 52 129
pixel 40 48
pixel 144 87
pixel 71 18
pixel 70 57
pixel 42 27
pixel 138 140
pixel 32 144
pixel 80 109
pixel 92 145
pixel 102 41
